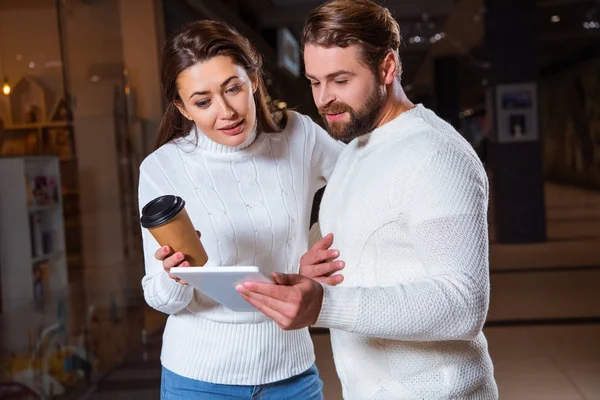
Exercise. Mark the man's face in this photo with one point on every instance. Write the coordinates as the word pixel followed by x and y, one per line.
pixel 346 92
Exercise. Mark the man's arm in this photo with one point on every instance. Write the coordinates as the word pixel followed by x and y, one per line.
pixel 447 220
pixel 451 304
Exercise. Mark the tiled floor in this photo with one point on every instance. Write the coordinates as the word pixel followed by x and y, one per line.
pixel 544 323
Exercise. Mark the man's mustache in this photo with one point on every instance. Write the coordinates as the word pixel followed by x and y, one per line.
pixel 334 108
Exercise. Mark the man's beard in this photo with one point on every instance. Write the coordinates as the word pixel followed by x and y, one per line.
pixel 361 122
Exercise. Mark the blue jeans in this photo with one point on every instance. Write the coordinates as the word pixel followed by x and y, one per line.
pixel 306 386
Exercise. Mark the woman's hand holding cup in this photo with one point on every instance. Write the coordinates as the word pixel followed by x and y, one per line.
pixel 172 259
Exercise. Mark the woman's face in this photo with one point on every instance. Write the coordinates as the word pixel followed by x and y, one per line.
pixel 218 96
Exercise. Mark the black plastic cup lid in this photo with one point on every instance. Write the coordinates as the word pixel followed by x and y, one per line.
pixel 161 210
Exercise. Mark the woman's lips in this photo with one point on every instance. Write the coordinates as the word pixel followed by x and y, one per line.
pixel 234 129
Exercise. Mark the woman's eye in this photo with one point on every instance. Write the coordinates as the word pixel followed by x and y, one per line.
pixel 202 103
pixel 234 89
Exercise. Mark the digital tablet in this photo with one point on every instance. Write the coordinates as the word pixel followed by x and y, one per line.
pixel 219 283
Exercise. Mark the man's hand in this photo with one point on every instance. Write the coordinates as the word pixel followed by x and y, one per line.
pixel 294 302
pixel 319 262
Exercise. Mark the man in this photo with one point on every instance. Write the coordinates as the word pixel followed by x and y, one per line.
pixel 407 206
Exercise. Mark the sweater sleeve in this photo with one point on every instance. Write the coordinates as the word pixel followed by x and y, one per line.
pixel 447 221
pixel 160 292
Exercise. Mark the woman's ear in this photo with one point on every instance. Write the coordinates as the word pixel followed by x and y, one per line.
pixel 182 110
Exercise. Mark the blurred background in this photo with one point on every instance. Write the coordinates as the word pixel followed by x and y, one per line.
pixel 80 107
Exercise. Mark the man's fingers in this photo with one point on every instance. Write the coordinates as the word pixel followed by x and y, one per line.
pixel 275 291
pixel 326 269
pixel 278 278
pixel 280 290
pixel 321 269
pixel 274 315
pixel 286 279
pixel 313 256
pixel 324 243
pixel 279 306
pixel 331 280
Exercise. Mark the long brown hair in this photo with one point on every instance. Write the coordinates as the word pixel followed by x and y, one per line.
pixel 198 42
pixel 343 23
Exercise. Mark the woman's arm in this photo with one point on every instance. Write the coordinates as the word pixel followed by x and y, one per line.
pixel 160 291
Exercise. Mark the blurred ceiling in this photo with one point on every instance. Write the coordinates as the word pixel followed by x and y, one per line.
pixel 565 28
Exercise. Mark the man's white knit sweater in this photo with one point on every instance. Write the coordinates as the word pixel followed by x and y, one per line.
pixel 407 204
pixel 252 204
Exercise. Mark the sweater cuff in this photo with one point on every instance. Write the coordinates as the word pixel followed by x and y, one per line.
pixel 174 291
pixel 339 309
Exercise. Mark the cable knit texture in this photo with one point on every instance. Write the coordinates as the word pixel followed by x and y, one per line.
pixel 252 204
pixel 407 204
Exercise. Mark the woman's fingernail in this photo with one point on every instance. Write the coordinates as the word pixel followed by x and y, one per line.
pixel 166 249
pixel 336 253
pixel 179 256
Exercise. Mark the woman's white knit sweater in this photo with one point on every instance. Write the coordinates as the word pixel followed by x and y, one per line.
pixel 252 204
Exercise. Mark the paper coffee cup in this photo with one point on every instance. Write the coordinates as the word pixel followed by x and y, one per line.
pixel 168 221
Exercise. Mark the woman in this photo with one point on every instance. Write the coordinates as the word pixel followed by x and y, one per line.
pixel 248 180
